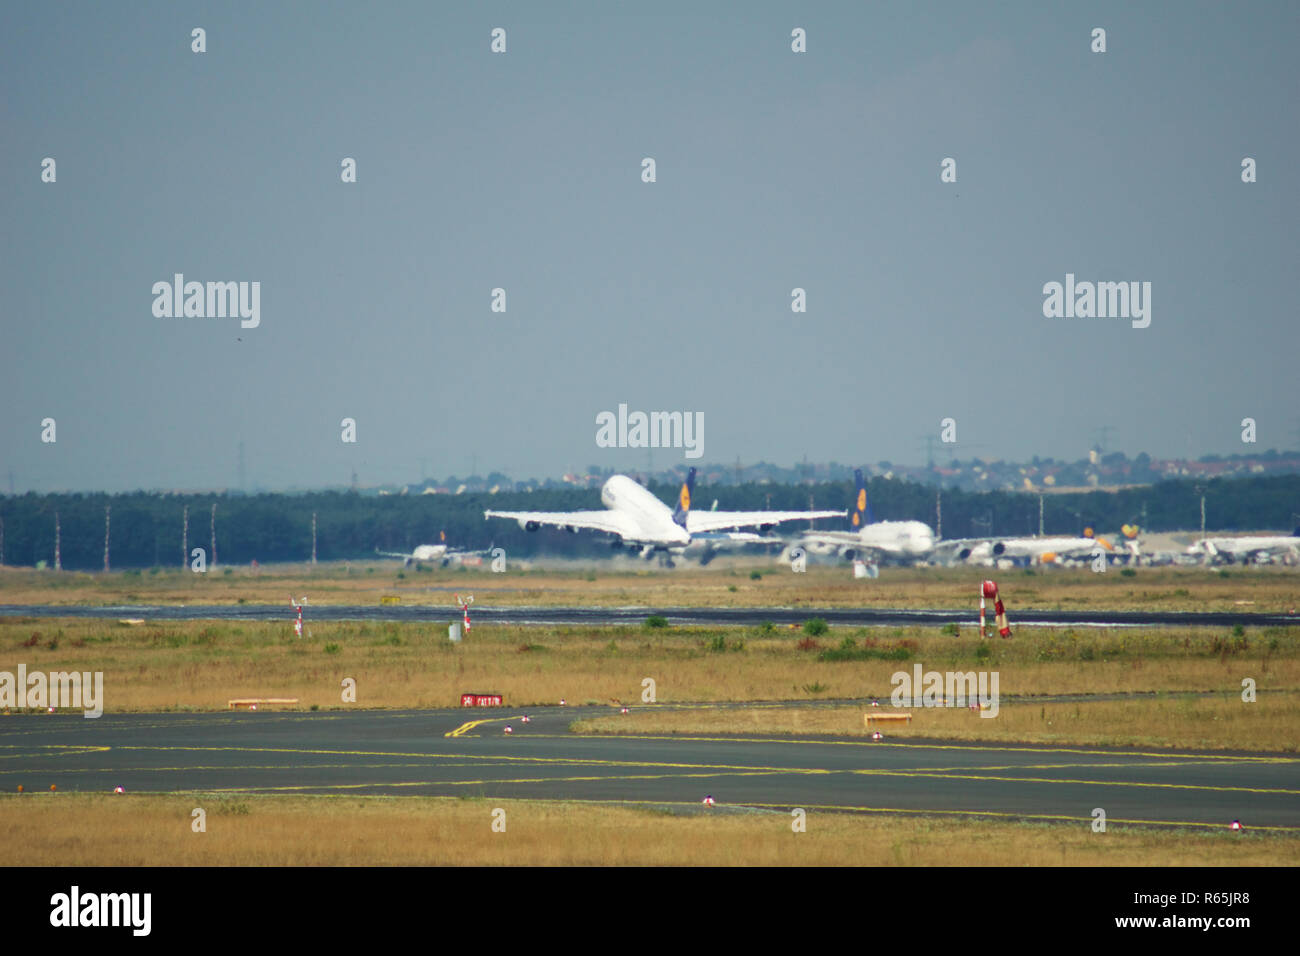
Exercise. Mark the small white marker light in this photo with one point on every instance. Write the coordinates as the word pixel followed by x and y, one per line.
pixel 877 736
pixel 509 729
pixel 708 801
pixel 525 719
pixel 118 790
pixel 1236 825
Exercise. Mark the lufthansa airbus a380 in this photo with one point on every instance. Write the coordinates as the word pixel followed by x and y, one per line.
pixel 899 541
pixel 638 519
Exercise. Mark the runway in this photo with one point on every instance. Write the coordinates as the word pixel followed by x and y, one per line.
pixel 635 616
pixel 467 753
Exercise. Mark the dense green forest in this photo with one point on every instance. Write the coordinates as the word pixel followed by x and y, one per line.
pixel 146 527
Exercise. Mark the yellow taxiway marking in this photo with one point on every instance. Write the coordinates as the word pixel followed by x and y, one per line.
pixel 983 778
pixel 700 770
pixel 972 747
pixel 64 750
pixel 470 725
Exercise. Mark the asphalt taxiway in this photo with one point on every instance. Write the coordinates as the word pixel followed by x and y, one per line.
pixel 635 616
pixel 466 752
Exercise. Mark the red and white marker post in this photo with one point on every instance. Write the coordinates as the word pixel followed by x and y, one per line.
pixel 989 591
pixel 297 606
pixel 464 603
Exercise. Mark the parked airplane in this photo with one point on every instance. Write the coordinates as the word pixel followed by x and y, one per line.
pixel 1027 550
pixel 1259 549
pixel 868 538
pixel 637 519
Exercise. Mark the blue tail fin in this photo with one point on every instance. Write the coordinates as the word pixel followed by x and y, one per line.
pixel 860 513
pixel 684 499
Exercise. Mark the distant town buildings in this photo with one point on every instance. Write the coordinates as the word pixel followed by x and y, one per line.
pixel 1096 470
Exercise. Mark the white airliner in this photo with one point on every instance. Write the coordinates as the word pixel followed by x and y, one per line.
pixel 428 552
pixel 638 519
pixel 1257 548
pixel 866 538
pixel 1043 550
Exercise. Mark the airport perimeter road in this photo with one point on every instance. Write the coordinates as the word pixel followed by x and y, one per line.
pixel 611 616
pixel 467 753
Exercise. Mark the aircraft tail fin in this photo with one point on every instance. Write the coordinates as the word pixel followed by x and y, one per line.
pixel 684 499
pixel 860 513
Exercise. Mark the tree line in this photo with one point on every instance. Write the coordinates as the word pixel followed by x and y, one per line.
pixel 146 527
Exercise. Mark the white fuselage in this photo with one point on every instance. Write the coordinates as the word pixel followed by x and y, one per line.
pixel 429 552
pixel 1246 546
pixel 1034 547
pixel 901 538
pixel 898 537
pixel 650 521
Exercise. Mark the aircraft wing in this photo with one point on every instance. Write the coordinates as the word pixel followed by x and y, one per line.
pixel 842 543
pixel 604 520
pixel 717 520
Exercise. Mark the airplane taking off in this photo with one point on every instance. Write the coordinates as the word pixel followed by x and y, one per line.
pixel 1261 549
pixel 891 540
pixel 638 519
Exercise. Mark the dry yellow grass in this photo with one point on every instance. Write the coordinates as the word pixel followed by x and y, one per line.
pixel 105 830
pixel 201 665
pixel 1268 589
pixel 1197 723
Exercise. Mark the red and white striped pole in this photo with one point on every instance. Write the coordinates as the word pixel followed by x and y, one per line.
pixel 464 607
pixel 989 590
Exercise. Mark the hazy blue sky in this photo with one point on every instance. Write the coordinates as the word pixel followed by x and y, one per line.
pixel 522 170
